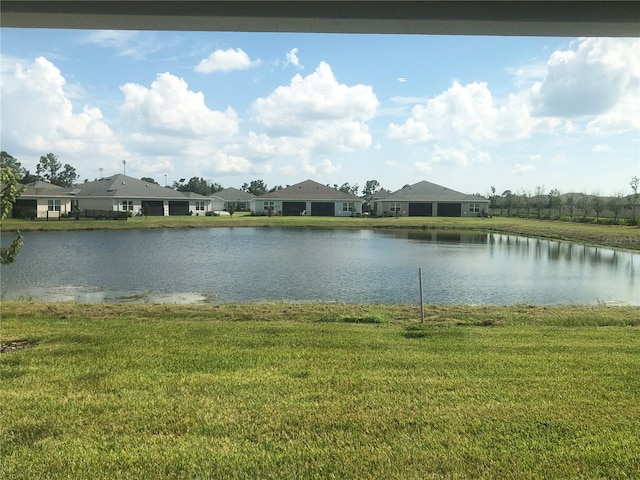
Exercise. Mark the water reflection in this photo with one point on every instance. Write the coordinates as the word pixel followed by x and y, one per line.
pixel 299 265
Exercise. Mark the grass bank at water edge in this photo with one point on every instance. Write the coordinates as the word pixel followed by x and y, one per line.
pixel 615 236
pixel 319 391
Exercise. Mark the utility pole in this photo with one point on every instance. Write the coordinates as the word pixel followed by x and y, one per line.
pixel 124 167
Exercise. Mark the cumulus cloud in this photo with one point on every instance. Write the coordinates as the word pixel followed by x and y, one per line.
pixel 315 114
pixel 170 108
pixel 325 167
pixel 599 76
pixel 466 112
pixel 38 116
pixel 226 61
pixel 401 79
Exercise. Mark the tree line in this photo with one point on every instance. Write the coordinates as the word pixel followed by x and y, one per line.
pixel 575 206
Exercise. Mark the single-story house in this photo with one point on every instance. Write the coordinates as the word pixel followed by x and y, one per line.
pixel 42 200
pixel 231 197
pixel 307 198
pixel 120 193
pixel 425 199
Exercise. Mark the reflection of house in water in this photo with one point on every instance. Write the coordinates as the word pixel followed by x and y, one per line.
pixel 438 236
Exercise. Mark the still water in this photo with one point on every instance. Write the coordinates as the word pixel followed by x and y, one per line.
pixel 363 266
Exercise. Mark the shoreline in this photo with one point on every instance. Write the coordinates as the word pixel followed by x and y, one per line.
pixel 618 237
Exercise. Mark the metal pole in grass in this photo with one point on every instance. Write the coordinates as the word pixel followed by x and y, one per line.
pixel 421 296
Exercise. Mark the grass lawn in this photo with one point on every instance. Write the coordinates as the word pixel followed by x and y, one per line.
pixel 616 236
pixel 319 391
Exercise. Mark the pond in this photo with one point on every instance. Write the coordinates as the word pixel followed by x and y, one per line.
pixel 301 265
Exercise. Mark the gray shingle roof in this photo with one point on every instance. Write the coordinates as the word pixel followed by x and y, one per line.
pixel 122 186
pixel 43 189
pixel 308 190
pixel 427 191
pixel 233 195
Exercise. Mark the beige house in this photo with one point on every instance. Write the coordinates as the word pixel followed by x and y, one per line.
pixel 307 198
pixel 42 200
pixel 120 193
pixel 425 199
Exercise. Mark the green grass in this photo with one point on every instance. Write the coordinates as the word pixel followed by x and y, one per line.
pixel 320 391
pixel 618 236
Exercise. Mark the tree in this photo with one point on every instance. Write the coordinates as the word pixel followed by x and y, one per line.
pixel 584 202
pixel 49 170
pixel 493 204
pixel 555 201
pixel 196 185
pixel 597 204
pixel 149 180
pixel 616 204
pixel 12 163
pixel 634 199
pixel 540 201
pixel 28 178
pixel 346 188
pixel 11 190
pixel 256 187
pixel 508 201
pixel 571 203
pixel 370 187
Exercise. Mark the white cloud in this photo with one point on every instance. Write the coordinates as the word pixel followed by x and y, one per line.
pixel 422 167
pixel 38 116
pixel 449 155
pixel 401 79
pixel 315 97
pixel 601 148
pixel 226 61
pixel 129 43
pixel 411 131
pixel 535 158
pixel 597 78
pixel 325 167
pixel 520 169
pixel 315 114
pixel 292 58
pixel 465 113
pixel 170 108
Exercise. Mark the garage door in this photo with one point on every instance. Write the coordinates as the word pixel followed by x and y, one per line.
pixel 420 209
pixel 178 208
pixel 155 208
pixel 449 210
pixel 293 208
pixel 24 208
pixel 322 209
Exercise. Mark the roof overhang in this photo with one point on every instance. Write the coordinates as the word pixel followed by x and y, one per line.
pixel 501 18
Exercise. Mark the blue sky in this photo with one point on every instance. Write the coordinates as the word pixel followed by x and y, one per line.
pixel 461 111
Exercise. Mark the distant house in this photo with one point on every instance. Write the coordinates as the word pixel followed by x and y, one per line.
pixel 42 200
pixel 425 199
pixel 308 198
pixel 120 193
pixel 199 205
pixel 224 199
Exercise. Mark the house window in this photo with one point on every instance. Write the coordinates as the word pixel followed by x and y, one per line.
pixel 269 206
pixel 348 206
pixel 395 208
pixel 199 205
pixel 474 208
pixel 53 205
pixel 127 205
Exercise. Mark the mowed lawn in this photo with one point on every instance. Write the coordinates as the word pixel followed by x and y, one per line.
pixel 319 391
